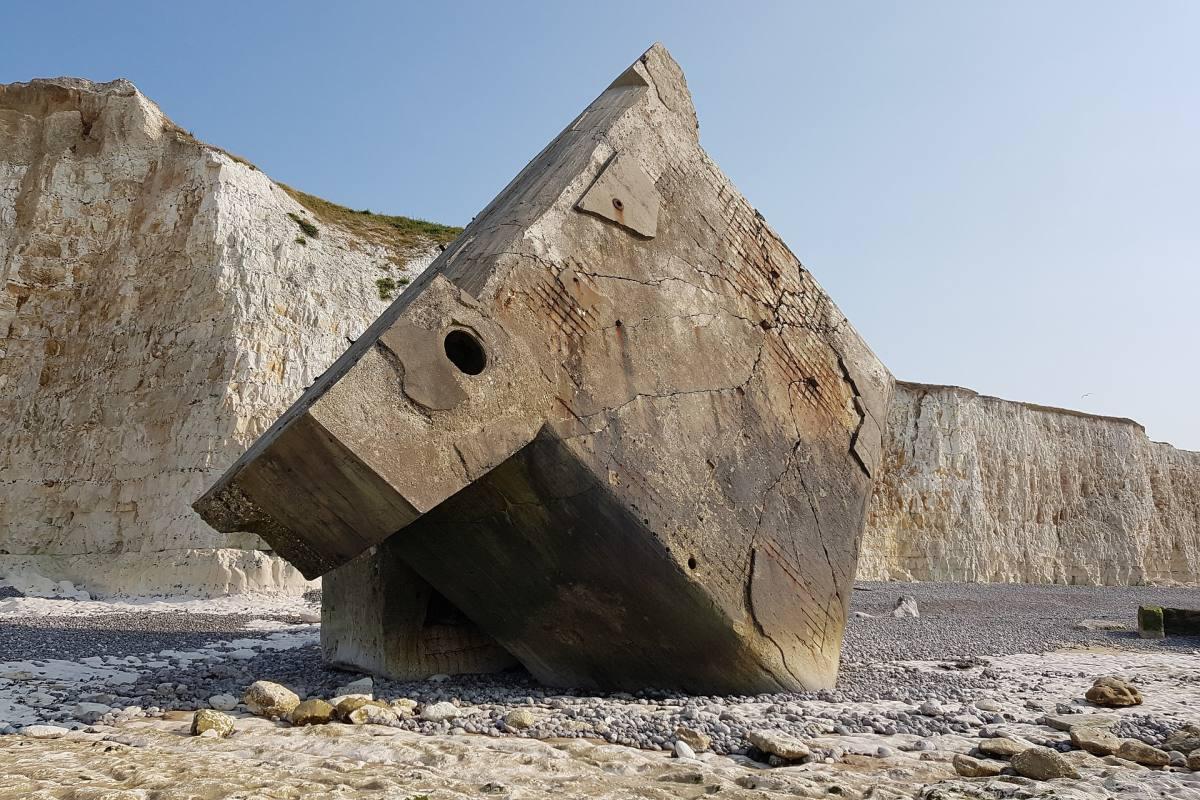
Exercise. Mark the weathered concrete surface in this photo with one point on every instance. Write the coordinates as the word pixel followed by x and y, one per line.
pixel 157 312
pixel 616 423
pixel 378 615
pixel 975 488
pixel 1156 622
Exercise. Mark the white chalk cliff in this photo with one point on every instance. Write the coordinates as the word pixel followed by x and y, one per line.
pixel 976 488
pixel 161 305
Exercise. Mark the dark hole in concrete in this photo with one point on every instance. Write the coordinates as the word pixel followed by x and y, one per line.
pixel 465 352
pixel 617 204
pixel 692 562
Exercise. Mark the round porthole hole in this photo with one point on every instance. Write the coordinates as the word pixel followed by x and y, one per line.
pixel 465 352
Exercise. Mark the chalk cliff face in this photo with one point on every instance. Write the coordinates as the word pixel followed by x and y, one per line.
pixel 160 308
pixel 161 305
pixel 976 488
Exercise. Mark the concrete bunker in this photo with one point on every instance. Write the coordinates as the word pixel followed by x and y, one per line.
pixel 616 432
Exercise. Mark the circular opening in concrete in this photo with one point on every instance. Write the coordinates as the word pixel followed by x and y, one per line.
pixel 692 562
pixel 465 352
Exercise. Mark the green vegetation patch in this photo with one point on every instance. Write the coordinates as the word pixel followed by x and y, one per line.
pixel 400 233
pixel 387 288
pixel 306 226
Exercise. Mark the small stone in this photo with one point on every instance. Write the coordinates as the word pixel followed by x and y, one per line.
pixel 683 750
pixel 1002 747
pixel 223 702
pixel 1193 759
pixel 1142 753
pixel 311 712
pixel 44 731
pixel 269 699
pixel 210 720
pixel 520 719
pixel 1065 722
pixel 345 705
pixel 373 714
pixel 695 739
pixel 789 748
pixel 1043 764
pixel 90 710
pixel 439 712
pixel 1185 739
pixel 1112 692
pixel 906 606
pixel 930 708
pixel 975 768
pixel 989 705
pixel 1095 740
pixel 404 706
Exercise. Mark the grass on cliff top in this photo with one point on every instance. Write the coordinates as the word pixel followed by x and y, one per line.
pixel 401 233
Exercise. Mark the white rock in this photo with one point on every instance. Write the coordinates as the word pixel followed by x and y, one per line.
pixel 930 708
pixel 223 702
pixel 779 744
pixel 440 712
pixel 906 606
pixel 270 699
pixel 683 750
pixel 44 731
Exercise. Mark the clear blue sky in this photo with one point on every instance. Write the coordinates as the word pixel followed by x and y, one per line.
pixel 1004 196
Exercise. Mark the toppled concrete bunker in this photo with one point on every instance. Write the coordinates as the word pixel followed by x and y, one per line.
pixel 616 431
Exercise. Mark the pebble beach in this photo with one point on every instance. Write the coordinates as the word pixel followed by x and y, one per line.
pixel 918 700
